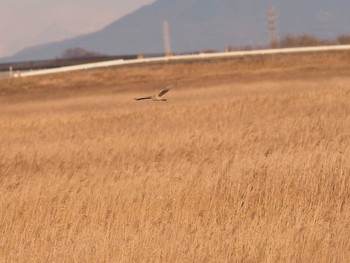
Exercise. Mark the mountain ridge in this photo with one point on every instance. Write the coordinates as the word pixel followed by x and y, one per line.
pixel 201 25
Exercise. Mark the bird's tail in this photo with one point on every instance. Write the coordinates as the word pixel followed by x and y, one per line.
pixel 143 98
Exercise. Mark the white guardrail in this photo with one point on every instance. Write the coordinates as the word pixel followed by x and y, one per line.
pixel 121 62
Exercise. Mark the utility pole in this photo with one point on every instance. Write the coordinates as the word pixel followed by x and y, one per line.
pixel 272 27
pixel 166 38
pixel 11 72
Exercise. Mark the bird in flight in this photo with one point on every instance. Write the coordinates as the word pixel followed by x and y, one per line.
pixel 159 95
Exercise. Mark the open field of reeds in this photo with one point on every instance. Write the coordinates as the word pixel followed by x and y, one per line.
pixel 247 161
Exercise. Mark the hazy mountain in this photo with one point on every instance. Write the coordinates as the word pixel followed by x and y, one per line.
pixel 204 24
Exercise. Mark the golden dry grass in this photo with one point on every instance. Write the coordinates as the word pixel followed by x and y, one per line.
pixel 248 161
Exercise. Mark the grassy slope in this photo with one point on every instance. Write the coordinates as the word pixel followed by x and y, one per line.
pixel 248 161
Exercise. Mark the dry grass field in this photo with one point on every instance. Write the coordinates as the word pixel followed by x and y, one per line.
pixel 247 161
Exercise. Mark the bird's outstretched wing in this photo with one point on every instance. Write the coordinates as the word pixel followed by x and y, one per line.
pixel 143 98
pixel 164 91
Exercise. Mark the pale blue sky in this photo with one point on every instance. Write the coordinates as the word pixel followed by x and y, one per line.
pixel 30 22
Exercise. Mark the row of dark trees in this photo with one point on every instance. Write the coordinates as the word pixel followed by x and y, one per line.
pixel 79 53
pixel 303 40
pixel 306 40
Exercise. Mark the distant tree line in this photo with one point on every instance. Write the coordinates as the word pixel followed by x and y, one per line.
pixel 78 53
pixel 306 40
pixel 303 40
